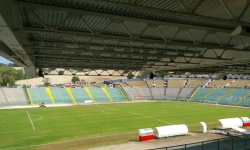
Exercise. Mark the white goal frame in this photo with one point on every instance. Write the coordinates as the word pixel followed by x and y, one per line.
pixel 211 102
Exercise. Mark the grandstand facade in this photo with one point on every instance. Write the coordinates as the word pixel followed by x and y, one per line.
pixel 226 92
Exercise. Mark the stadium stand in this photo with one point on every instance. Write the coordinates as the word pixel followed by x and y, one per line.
pixel 19 98
pixel 245 101
pixel 136 83
pixel 60 95
pixel 240 83
pixel 131 91
pixel 80 94
pixel 216 95
pixel 39 95
pixel 198 95
pixel 185 93
pixel 99 85
pixel 120 83
pixel 220 83
pixel 228 96
pixel 115 94
pixel 195 82
pixel 233 97
pixel 176 83
pixel 98 94
pixel 144 92
pixel 3 99
pixel 158 83
pixel 172 93
pixel 158 93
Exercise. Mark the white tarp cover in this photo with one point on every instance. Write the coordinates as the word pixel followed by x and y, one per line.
pixel 230 121
pixel 171 130
pixel 204 127
pixel 239 129
pixel 146 131
pixel 245 119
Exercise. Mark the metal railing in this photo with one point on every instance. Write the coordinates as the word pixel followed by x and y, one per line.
pixel 230 143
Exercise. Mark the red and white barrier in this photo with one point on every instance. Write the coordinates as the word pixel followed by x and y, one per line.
pixel 246 121
pixel 146 134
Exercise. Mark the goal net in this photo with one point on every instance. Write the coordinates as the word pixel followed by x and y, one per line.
pixel 207 102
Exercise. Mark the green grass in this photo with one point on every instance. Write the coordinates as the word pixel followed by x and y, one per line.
pixel 56 124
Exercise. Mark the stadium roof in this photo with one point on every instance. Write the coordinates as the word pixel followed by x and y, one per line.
pixel 167 35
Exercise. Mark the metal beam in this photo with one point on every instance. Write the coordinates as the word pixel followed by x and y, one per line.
pixel 8 37
pixel 160 11
pixel 110 59
pixel 87 67
pixel 121 38
pixel 111 48
pixel 227 9
pixel 164 54
pixel 244 11
pixel 127 18
pixel 65 64
pixel 7 53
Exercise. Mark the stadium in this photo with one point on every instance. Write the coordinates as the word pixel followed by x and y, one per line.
pixel 154 74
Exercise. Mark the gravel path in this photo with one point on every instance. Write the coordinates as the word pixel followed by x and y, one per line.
pixel 165 142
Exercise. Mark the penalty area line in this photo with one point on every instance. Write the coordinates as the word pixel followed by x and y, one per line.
pixel 139 115
pixel 92 137
pixel 31 121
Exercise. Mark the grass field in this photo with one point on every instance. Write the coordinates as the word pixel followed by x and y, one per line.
pixel 95 125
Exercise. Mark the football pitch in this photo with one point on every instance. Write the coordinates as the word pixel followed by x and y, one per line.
pixel 86 126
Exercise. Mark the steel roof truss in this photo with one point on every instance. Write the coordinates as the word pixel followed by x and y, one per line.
pixel 197 6
pixel 93 51
pixel 125 28
pixel 88 27
pixel 183 6
pixel 217 39
pixel 62 22
pixel 38 18
pixel 244 11
pixel 119 38
pixel 227 9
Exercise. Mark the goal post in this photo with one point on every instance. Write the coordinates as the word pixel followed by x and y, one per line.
pixel 209 102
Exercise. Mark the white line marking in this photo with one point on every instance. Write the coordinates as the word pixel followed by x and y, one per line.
pixel 15 131
pixel 140 115
pixel 104 111
pixel 147 117
pixel 41 117
pixel 31 121
pixel 68 141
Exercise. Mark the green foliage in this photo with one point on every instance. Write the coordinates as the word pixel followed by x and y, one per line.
pixel 159 73
pixel 130 75
pixel 75 78
pixel 10 75
pixel 8 80
pixel 61 72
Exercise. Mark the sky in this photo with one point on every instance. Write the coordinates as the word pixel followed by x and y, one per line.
pixel 4 61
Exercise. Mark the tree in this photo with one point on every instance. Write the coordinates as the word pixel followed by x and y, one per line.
pixel 61 72
pixel 46 81
pixel 159 73
pixel 75 78
pixel 130 75
pixel 17 74
pixel 8 79
pixel 20 74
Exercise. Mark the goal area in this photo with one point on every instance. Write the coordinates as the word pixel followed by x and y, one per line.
pixel 207 102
